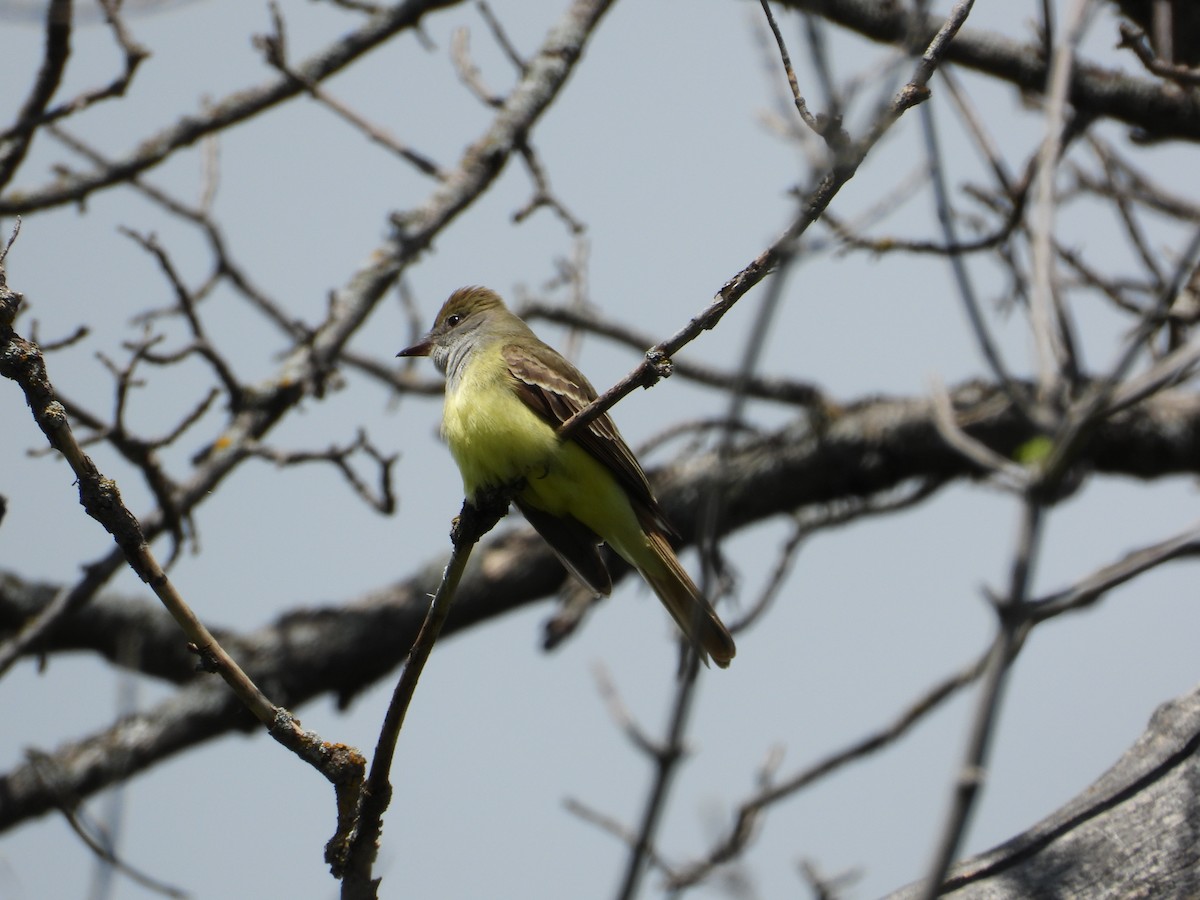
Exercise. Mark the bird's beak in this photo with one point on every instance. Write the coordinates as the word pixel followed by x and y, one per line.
pixel 421 349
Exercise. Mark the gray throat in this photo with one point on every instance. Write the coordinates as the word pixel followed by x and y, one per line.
pixel 451 359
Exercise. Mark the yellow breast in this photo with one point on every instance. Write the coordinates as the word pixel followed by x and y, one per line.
pixel 494 437
pixel 497 440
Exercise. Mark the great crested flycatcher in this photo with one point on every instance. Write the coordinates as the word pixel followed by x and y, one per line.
pixel 506 394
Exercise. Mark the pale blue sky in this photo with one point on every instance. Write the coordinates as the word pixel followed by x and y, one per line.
pixel 658 145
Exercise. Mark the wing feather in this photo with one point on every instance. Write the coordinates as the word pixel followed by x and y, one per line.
pixel 576 545
pixel 554 389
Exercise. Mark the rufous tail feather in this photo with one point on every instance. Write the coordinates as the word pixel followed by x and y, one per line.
pixel 687 606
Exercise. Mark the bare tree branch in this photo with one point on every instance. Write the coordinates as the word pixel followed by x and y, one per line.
pixel 225 113
pixel 1156 109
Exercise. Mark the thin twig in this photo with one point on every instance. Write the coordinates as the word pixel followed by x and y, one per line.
pixel 801 107
pixel 22 362
pixel 353 861
pixel 274 49
pixel 781 390
pixel 35 114
pixel 227 111
pixel 1135 39
pixel 962 279
pixel 1011 475
pixel 1009 635
pixel 501 36
pixel 749 813
pixel 620 714
pixel 1091 588
pixel 810 522
pixel 1045 309
pixel 657 363
pixel 616 829
pixel 92 835
pixel 665 759
pixel 54 63
pixel 382 500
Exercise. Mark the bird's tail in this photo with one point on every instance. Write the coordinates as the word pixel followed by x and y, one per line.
pixel 688 607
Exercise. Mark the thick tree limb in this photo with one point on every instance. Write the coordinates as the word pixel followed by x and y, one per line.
pixel 868 449
pixel 1157 108
pixel 1133 833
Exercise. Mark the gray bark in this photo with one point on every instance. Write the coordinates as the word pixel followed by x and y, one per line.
pixel 1135 832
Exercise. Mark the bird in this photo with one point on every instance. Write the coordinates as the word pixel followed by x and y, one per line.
pixel 507 392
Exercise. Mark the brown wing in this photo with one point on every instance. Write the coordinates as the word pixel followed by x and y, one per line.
pixel 556 390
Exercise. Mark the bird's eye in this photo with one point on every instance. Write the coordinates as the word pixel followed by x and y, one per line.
pixel 453 320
